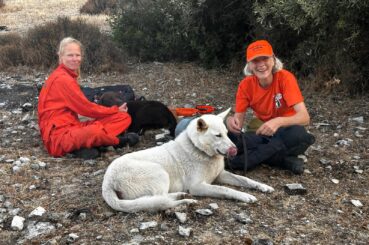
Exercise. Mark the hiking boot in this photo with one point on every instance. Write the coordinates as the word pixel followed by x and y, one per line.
pixel 86 153
pixel 130 139
pixel 294 164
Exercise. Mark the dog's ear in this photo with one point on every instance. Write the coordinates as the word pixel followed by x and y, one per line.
pixel 201 125
pixel 224 113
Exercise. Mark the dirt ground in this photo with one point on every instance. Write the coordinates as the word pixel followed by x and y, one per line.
pixel 69 189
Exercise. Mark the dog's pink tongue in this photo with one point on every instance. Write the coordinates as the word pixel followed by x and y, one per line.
pixel 232 151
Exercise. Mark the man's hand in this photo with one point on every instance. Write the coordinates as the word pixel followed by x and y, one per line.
pixel 123 107
pixel 269 128
pixel 233 124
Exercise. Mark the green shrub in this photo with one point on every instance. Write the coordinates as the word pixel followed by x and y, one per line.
pixel 153 30
pixel 99 6
pixel 212 32
pixel 40 45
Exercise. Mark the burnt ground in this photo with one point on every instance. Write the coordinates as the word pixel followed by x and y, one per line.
pixel 70 189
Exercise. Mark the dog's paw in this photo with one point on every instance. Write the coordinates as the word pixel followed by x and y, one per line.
pixel 179 195
pixel 188 201
pixel 266 188
pixel 248 198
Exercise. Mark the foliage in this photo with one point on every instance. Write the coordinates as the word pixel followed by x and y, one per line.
pixel 153 30
pixel 39 47
pixel 326 38
pixel 99 6
pixel 183 30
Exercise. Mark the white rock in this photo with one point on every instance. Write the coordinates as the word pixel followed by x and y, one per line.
pixel 72 237
pixel 357 119
pixel 213 206
pixel 146 225
pixel 182 217
pixel 186 232
pixel 39 211
pixel 37 228
pixel 134 230
pixel 204 211
pixel 42 164
pixel 303 157
pixel 17 223
pixel 356 203
pixel 335 135
pixel 359 171
pixel 336 181
pixel 16 169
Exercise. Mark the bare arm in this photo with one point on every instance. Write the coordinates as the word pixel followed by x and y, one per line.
pixel 300 118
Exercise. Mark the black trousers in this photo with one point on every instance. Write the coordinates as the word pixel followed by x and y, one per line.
pixel 287 141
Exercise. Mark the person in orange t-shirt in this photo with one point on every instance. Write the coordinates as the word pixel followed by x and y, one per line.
pixel 61 101
pixel 276 100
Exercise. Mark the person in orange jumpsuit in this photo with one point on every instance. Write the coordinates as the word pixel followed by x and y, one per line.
pixel 61 101
pixel 278 105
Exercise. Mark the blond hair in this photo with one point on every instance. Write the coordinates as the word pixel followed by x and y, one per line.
pixel 63 43
pixel 278 65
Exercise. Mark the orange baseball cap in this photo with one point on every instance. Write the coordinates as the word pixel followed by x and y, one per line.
pixel 257 49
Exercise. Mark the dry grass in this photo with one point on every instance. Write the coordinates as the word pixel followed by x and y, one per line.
pixel 20 15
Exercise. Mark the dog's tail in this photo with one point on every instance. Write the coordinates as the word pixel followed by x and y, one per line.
pixel 145 203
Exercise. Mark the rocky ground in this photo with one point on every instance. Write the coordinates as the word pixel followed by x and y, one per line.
pixel 58 200
pixel 45 200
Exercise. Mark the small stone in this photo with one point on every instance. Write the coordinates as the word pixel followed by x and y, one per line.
pixel 99 237
pixel 16 169
pixel 262 242
pixel 24 160
pixel 82 216
pixel 146 225
pixel 356 203
pixel 72 237
pixel 134 230
pixel 324 161
pixel 243 218
pixel 42 164
pixel 336 181
pixel 295 189
pixel 186 232
pixel 359 171
pixel 357 119
pixel 39 211
pixel 204 211
pixel 182 217
pixel 14 211
pixel 164 227
pixel 213 206
pixel 18 223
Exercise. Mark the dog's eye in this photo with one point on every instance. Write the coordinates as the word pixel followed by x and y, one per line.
pixel 218 135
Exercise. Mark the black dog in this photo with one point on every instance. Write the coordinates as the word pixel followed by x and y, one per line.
pixel 145 114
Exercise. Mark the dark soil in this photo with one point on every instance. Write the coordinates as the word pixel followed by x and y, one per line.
pixel 70 189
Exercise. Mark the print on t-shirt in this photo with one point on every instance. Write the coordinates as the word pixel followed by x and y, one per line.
pixel 277 100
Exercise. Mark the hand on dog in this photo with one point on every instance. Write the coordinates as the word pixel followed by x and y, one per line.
pixel 123 107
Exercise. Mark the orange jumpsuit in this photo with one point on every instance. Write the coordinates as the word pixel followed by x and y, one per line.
pixel 60 102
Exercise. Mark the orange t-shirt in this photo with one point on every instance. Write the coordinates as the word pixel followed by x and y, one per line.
pixel 274 101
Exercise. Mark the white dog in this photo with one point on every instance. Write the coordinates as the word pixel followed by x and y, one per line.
pixel 157 178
